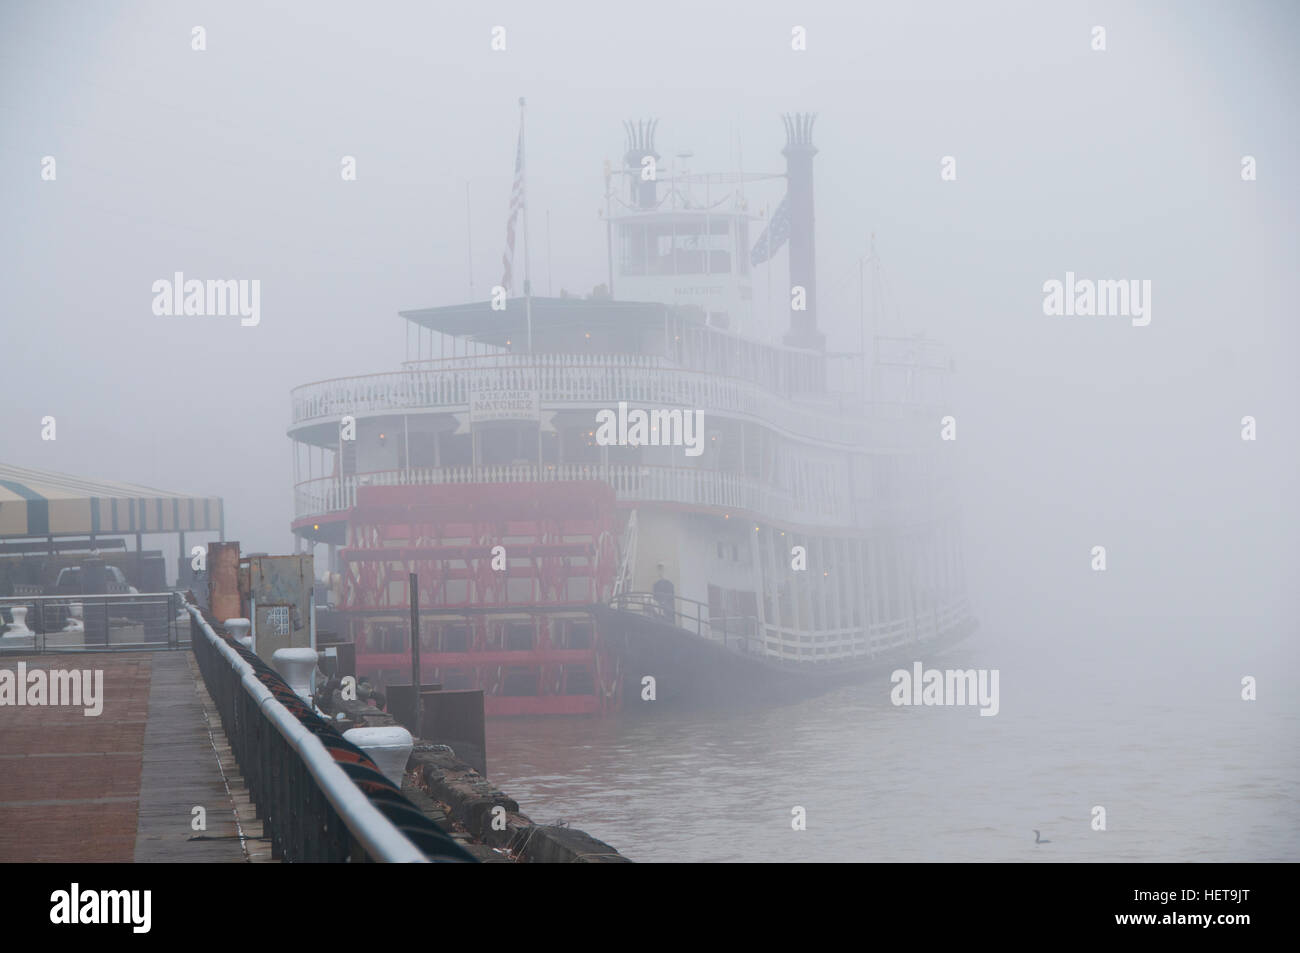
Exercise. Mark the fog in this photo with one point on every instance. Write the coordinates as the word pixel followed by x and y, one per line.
pixel 1073 432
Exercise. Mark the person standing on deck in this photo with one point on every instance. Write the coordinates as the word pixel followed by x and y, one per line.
pixel 664 594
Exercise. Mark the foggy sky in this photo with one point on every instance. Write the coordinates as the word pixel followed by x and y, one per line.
pixel 1072 432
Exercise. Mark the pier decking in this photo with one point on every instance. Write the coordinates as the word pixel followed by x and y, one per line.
pixel 121 786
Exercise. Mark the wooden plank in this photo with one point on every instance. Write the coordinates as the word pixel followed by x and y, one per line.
pixel 180 771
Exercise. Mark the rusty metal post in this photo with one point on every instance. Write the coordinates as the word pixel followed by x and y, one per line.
pixel 414 584
pixel 223 581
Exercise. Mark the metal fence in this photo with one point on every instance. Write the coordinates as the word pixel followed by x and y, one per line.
pixel 95 623
pixel 319 797
pixel 732 631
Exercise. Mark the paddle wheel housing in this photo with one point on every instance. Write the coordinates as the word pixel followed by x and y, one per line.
pixel 507 575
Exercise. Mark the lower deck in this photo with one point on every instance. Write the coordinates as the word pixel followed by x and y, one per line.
pixel 510 578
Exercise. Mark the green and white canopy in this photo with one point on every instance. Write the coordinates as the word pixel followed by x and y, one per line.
pixel 41 503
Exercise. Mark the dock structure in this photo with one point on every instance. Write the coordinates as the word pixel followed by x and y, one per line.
pixel 122 785
pixel 138 727
pixel 197 751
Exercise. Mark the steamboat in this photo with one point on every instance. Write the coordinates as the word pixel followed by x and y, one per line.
pixel 806 535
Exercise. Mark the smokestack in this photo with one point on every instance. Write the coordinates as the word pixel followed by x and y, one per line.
pixel 799 151
pixel 641 143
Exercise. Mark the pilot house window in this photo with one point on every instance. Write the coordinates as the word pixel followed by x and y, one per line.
pixel 677 248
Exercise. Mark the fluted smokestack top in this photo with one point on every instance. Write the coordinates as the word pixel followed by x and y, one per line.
pixel 641 137
pixel 641 143
pixel 798 131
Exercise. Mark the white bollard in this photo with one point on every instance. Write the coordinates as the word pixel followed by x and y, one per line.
pixel 17 635
pixel 296 667
pixel 74 622
pixel 389 748
pixel 239 630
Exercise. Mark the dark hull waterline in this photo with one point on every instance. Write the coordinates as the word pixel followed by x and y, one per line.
pixel 693 672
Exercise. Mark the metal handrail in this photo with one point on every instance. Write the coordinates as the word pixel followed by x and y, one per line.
pixel 702 619
pixel 627 565
pixel 82 596
pixel 377 835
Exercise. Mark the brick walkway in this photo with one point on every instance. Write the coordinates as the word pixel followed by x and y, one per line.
pixel 120 786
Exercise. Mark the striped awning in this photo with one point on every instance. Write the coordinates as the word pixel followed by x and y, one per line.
pixel 35 503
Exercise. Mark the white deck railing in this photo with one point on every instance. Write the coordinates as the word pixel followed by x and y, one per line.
pixel 632 483
pixel 583 381
pixel 877 639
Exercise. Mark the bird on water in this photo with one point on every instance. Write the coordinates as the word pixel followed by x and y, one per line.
pixel 1038 838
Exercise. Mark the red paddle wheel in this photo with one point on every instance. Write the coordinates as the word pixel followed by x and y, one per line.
pixel 507 575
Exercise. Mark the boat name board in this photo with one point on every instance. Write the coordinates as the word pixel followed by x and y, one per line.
pixel 498 404
pixel 489 405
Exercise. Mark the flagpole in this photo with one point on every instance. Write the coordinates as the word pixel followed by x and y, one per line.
pixel 771 315
pixel 469 242
pixel 528 284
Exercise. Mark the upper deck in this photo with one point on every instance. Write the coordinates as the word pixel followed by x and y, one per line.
pixel 512 389
pixel 587 355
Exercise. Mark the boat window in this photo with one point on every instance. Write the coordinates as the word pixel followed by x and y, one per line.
pixel 422 452
pixel 455 450
pixel 455 637
pixel 580 444
pixel 676 248
pixel 504 444
pixel 632 255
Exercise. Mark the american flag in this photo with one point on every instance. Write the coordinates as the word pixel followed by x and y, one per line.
pixel 516 203
pixel 774 236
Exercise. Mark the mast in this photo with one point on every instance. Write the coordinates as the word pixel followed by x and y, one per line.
pixel 609 231
pixel 528 284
